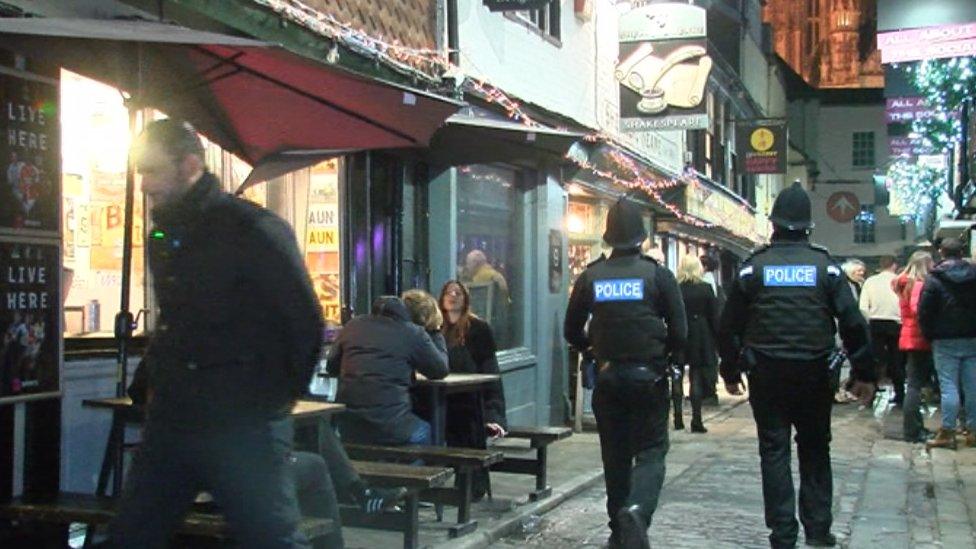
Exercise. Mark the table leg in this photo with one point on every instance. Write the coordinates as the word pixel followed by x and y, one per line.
pixel 113 448
pixel 438 425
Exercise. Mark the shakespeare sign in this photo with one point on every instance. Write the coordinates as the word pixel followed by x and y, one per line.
pixel 29 189
pixel 663 68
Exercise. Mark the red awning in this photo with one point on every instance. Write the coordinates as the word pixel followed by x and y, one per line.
pixel 254 99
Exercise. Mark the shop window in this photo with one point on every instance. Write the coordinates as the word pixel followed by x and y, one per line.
pixel 95 143
pixel 545 19
pixel 862 150
pixel 95 135
pixel 864 225
pixel 489 254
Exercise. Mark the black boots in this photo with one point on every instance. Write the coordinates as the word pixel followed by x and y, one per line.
pixel 632 528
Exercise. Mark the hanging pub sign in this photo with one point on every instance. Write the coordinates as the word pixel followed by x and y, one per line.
pixel 30 149
pixel 516 5
pixel 762 146
pixel 663 68
pixel 30 308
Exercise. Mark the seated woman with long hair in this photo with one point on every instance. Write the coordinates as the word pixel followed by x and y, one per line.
pixel 471 350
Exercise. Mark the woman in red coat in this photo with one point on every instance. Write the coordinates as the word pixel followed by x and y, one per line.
pixel 919 367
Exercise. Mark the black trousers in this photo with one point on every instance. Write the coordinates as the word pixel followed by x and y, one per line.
pixel 698 387
pixel 787 396
pixel 246 468
pixel 920 369
pixel 890 360
pixel 631 408
pixel 317 494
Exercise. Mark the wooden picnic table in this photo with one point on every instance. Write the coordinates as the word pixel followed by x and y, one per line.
pixel 450 385
pixel 124 412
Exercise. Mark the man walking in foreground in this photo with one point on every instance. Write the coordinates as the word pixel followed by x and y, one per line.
pixel 778 327
pixel 238 336
pixel 638 319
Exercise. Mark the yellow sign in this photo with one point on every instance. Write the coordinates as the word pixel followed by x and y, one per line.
pixel 322 240
pixel 715 207
pixel 762 139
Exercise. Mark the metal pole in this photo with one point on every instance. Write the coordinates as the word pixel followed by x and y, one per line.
pixel 578 411
pixel 958 194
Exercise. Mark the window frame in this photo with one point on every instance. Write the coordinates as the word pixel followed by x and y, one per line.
pixel 865 225
pixel 545 21
pixel 862 150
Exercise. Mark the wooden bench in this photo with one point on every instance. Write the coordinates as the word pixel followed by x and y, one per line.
pixel 414 478
pixel 539 440
pixel 93 511
pixel 464 461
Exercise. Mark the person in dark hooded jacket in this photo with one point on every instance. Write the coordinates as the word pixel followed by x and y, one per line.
pixel 947 316
pixel 375 358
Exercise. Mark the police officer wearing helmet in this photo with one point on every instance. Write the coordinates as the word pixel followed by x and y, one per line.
pixel 637 318
pixel 778 327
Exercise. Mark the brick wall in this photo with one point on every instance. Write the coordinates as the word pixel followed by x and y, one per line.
pixel 410 22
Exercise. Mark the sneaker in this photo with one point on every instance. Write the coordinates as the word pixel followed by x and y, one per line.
pixel 632 528
pixel 944 438
pixel 375 500
pixel 824 540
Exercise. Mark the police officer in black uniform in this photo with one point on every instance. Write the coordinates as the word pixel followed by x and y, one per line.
pixel 778 327
pixel 637 318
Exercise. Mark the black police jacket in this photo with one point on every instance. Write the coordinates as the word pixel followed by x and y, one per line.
pixel 636 308
pixel 783 306
pixel 239 331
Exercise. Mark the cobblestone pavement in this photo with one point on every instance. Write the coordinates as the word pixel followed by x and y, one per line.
pixel 887 493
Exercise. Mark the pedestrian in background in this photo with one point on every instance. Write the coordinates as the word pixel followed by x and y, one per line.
pixel 880 305
pixel 855 270
pixel 238 337
pixel 778 326
pixel 699 354
pixel 711 265
pixel 913 343
pixel 947 316
pixel 636 320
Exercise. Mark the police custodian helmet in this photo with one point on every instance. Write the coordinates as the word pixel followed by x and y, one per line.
pixel 792 209
pixel 625 225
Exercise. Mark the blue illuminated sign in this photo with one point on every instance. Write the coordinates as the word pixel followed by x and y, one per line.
pixel 790 276
pixel 619 289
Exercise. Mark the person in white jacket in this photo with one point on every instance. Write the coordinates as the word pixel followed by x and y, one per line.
pixel 879 304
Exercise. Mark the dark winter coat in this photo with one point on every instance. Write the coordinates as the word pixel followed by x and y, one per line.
pixel 911 337
pixel 466 417
pixel 947 309
pixel 239 331
pixel 375 357
pixel 702 310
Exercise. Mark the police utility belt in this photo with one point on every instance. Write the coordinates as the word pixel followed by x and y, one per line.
pixel 659 370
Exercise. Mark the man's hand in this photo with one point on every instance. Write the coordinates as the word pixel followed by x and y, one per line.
pixel 864 392
pixel 734 389
pixel 495 430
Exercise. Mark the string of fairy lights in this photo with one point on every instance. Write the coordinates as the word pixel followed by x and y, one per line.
pixel 433 65
pixel 946 85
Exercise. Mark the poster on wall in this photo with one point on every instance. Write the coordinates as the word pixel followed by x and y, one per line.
pixel 663 68
pixel 322 238
pixel 30 149
pixel 29 320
